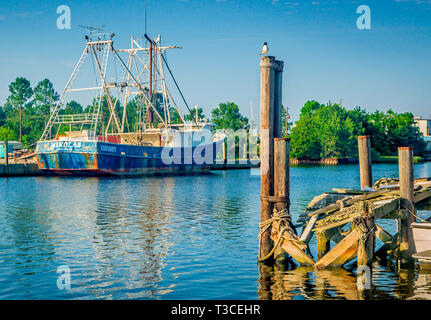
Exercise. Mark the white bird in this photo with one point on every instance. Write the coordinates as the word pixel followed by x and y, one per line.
pixel 265 49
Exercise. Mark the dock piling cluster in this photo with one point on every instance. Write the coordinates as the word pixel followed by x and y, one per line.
pixel 345 217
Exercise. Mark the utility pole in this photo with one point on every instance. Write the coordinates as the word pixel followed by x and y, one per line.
pixel 251 116
pixel 20 123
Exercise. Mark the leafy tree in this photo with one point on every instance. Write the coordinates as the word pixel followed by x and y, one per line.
pixel 310 107
pixel 227 116
pixel 72 107
pixel 6 133
pixel 175 116
pixel 192 115
pixel 326 131
pixel 20 93
pixel 45 96
pixel 285 124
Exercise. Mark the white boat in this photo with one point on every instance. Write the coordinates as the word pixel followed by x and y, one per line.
pixel 422 239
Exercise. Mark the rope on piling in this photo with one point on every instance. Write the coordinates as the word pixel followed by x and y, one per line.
pixel 401 206
pixel 284 233
pixel 385 182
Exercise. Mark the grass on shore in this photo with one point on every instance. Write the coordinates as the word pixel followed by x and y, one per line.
pixel 394 159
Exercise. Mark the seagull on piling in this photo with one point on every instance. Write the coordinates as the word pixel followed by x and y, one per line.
pixel 265 49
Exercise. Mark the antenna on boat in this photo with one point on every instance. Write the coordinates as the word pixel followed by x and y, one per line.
pixel 92 30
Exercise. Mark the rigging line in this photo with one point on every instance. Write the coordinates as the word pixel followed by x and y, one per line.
pixel 139 85
pixel 95 81
pixel 179 90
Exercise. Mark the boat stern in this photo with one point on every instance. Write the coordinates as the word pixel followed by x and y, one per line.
pixel 67 156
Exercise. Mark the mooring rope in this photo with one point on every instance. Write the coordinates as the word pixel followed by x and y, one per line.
pixel 286 233
pixel 384 182
pixel 414 214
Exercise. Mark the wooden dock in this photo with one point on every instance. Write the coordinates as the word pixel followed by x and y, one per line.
pixel 19 169
pixel 329 214
pixel 344 221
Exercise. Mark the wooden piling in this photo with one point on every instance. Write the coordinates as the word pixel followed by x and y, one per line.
pixel 267 79
pixel 281 182
pixel 366 243
pixel 6 158
pixel 323 244
pixel 278 85
pixel 405 166
pixel 281 172
pixel 364 152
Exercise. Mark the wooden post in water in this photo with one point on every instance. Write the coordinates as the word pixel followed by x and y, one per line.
pixel 267 77
pixel 366 243
pixel 405 166
pixel 6 158
pixel 364 152
pixel 281 172
pixel 281 186
pixel 323 244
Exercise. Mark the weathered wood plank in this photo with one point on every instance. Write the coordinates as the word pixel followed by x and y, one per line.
pixel 386 248
pixel 382 234
pixel 307 233
pixel 348 202
pixel 383 208
pixel 323 244
pixel 350 191
pixel 291 248
pixel 422 195
pixel 296 253
pixel 342 253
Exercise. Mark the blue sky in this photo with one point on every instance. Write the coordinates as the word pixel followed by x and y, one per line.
pixel 326 56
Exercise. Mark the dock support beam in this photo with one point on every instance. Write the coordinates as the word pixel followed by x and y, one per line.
pixel 323 244
pixel 405 166
pixel 364 152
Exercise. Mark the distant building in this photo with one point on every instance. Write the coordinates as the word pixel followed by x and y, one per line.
pixel 424 125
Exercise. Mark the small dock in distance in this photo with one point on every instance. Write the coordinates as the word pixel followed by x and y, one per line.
pixel 31 168
pixel 19 169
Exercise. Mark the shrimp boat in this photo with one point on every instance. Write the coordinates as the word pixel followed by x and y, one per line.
pixel 133 125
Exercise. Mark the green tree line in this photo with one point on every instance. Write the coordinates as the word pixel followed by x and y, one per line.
pixel 331 131
pixel 322 131
pixel 27 110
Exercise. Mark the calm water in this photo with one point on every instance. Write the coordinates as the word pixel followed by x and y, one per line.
pixel 170 238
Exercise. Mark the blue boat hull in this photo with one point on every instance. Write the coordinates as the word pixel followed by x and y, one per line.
pixel 103 158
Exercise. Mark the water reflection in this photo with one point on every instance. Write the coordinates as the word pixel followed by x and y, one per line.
pixel 189 237
pixel 341 284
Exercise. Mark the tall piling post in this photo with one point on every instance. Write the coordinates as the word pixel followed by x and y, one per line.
pixel 406 175
pixel 278 85
pixel 267 79
pixel 364 152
